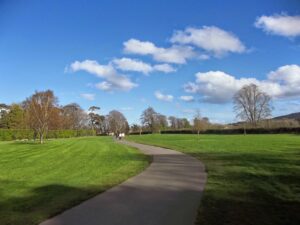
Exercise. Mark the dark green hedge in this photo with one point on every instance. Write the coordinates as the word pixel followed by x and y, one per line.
pixel 11 134
pixel 283 130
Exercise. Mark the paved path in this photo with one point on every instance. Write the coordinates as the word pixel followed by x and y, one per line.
pixel 168 192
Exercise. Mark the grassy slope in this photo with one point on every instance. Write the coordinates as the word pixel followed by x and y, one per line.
pixel 252 180
pixel 37 181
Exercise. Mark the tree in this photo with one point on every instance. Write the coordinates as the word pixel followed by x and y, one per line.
pixel 38 108
pixel 161 121
pixel 117 122
pixel 197 122
pixel 149 119
pixel 251 104
pixel 4 110
pixel 96 120
pixel 74 116
pixel 15 117
pixel 135 128
pixel 173 122
pixel 185 123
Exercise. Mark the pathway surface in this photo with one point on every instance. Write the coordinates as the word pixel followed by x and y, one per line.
pixel 168 192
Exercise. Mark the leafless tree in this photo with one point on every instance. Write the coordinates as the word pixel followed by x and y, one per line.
pixel 39 108
pixel 148 118
pixel 74 116
pixel 117 122
pixel 251 104
pixel 200 123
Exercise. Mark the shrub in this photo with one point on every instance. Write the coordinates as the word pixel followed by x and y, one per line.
pixel 13 134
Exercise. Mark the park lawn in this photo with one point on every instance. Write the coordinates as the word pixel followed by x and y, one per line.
pixel 252 179
pixel 39 181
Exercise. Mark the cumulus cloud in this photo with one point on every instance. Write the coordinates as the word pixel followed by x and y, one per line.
pixel 211 39
pixel 284 25
pixel 163 97
pixel 112 79
pixel 136 65
pixel 219 87
pixel 187 98
pixel 166 68
pixel 127 64
pixel 175 54
pixel 87 96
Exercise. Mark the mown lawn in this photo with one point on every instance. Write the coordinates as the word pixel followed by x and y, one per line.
pixel 38 181
pixel 252 179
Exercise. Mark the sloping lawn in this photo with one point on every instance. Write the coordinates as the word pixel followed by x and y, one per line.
pixel 252 179
pixel 38 181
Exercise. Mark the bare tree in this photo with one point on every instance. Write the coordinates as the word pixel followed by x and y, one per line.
pixel 161 121
pixel 38 110
pixel 74 116
pixel 117 122
pixel 197 121
pixel 149 118
pixel 251 104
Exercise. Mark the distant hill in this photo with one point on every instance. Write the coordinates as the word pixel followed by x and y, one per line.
pixel 295 116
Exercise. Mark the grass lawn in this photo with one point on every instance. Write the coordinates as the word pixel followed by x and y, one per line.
pixel 38 181
pixel 252 179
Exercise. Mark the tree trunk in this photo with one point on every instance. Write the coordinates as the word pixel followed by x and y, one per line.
pixel 41 138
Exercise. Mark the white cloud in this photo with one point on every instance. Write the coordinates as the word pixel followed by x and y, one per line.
pixel 127 64
pixel 187 98
pixel 113 80
pixel 162 97
pixel 211 39
pixel 87 96
pixel 136 65
pixel 282 24
pixel 219 87
pixel 175 54
pixel 166 68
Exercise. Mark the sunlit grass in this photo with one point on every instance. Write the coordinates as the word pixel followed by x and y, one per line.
pixel 37 181
pixel 252 179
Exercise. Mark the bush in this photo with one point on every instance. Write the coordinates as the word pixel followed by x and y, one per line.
pixel 12 134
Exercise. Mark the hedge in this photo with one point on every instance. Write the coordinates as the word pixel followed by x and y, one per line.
pixel 12 134
pixel 282 130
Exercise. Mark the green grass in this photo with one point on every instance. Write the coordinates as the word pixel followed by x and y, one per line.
pixel 38 181
pixel 252 179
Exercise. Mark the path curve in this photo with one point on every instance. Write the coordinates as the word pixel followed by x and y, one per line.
pixel 168 192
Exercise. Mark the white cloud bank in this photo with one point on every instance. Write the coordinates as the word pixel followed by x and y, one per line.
pixel 163 97
pixel 175 54
pixel 127 64
pixel 212 39
pixel 219 87
pixel 87 96
pixel 284 25
pixel 112 79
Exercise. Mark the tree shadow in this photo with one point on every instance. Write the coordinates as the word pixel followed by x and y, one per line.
pixel 42 202
pixel 251 189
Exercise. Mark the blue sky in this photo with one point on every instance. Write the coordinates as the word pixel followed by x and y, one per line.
pixel 176 56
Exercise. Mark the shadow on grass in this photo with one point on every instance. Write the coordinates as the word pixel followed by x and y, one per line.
pixel 42 203
pixel 250 189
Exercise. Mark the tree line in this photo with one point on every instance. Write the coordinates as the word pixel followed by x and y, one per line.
pixel 41 113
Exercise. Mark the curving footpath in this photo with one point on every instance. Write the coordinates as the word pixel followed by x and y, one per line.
pixel 168 192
